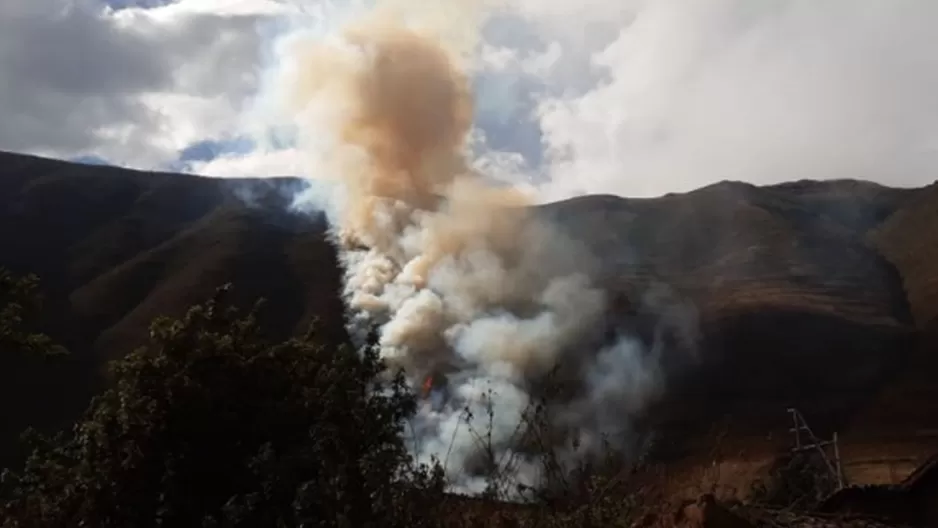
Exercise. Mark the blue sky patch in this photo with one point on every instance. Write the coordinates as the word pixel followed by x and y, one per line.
pixel 90 159
pixel 209 149
pixel 123 4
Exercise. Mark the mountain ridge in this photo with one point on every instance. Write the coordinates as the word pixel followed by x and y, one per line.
pixel 823 280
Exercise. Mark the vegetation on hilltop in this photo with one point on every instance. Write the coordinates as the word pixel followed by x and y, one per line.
pixel 19 303
pixel 818 295
pixel 209 425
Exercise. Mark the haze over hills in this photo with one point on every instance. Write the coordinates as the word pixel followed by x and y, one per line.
pixel 820 295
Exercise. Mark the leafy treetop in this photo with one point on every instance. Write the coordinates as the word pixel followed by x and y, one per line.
pixel 19 305
pixel 208 425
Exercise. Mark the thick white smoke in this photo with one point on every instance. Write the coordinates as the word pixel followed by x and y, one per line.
pixel 414 108
pixel 475 295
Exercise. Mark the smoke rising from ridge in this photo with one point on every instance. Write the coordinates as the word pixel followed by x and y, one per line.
pixel 468 286
pixel 413 109
pixel 646 97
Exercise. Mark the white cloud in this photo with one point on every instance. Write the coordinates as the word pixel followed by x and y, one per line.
pixel 282 162
pixel 706 90
pixel 632 97
pixel 133 85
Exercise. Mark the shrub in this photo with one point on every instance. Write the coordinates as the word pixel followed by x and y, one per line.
pixel 210 425
pixel 19 304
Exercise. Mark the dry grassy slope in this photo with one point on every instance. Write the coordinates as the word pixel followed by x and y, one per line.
pixel 909 239
pixel 117 248
pixel 793 302
pixel 796 306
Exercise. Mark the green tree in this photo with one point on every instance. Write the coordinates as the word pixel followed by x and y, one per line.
pixel 19 305
pixel 210 425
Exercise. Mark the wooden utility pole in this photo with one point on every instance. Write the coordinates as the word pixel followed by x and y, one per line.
pixel 805 440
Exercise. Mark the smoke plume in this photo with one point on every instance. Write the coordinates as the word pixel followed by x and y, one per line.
pixel 413 110
pixel 475 296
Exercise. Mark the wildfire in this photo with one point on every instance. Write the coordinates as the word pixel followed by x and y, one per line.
pixel 427 386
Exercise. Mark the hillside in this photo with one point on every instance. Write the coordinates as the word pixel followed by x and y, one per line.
pixel 813 294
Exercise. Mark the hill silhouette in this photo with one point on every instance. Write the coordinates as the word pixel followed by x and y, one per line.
pixel 818 295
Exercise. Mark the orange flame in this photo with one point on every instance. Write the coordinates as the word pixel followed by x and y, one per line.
pixel 427 385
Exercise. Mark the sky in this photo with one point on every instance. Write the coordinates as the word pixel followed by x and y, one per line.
pixel 627 97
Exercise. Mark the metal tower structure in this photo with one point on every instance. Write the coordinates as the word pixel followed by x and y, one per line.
pixel 806 440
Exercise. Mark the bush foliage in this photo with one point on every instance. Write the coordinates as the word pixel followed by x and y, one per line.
pixel 19 306
pixel 209 425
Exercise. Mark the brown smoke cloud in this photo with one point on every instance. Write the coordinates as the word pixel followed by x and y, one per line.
pixel 406 114
pixel 458 274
